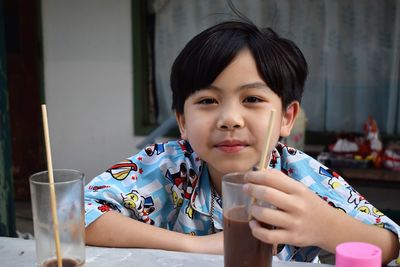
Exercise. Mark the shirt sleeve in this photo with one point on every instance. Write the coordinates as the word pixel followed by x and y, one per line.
pixel 342 196
pixel 135 187
pixel 332 188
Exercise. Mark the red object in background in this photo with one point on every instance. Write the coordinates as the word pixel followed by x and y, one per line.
pixel 370 126
pixel 391 158
pixel 364 149
pixel 378 160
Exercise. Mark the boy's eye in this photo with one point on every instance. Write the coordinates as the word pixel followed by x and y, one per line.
pixel 207 101
pixel 252 99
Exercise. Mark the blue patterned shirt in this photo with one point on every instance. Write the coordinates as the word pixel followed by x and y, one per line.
pixel 168 185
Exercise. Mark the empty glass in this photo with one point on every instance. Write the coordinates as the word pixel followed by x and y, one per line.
pixel 68 186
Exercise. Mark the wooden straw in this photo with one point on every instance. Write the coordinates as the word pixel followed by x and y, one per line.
pixel 264 154
pixel 51 184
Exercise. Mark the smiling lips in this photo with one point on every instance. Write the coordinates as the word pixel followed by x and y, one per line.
pixel 231 146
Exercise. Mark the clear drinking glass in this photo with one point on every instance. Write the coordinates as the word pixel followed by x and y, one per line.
pixel 69 185
pixel 241 248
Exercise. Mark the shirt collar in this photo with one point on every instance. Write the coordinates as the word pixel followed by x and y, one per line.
pixel 200 200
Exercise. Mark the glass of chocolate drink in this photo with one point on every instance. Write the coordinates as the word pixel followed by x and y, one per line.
pixel 241 248
pixel 68 185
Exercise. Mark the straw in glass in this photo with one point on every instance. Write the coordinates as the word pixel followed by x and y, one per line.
pixel 51 184
pixel 264 154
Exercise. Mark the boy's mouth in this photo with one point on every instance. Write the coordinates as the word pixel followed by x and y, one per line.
pixel 231 146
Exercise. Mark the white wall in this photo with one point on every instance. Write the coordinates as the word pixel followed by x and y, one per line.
pixel 88 82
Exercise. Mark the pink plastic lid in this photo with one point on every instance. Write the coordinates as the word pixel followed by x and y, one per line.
pixel 358 254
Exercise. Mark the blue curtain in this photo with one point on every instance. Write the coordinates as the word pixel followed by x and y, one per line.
pixel 352 48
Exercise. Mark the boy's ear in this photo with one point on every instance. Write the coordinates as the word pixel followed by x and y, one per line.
pixel 180 118
pixel 289 117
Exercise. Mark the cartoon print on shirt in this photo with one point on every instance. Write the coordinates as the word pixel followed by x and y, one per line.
pixel 219 200
pixel 292 151
pixel 376 212
pixel 274 159
pixel 186 148
pixel 191 185
pixel 369 209
pixel 121 170
pixel 182 187
pixel 178 180
pixel 106 206
pixel 191 205
pixel 193 178
pixel 364 208
pixel 334 181
pixel 141 206
pixel 354 196
pixel 189 211
pixel 177 198
pixel 96 188
pixel 159 148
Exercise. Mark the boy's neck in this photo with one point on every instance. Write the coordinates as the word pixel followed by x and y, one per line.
pixel 215 180
pixel 217 187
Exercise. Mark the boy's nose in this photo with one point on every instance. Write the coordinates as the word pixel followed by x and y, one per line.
pixel 230 120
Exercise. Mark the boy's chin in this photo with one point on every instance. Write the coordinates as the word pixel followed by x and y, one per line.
pixel 229 168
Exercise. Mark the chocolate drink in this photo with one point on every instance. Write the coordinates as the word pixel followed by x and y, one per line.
pixel 241 248
pixel 65 263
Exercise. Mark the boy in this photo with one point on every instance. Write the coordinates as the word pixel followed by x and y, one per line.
pixel 224 83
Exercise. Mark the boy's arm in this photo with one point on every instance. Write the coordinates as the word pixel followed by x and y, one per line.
pixel 304 219
pixel 342 228
pixel 113 229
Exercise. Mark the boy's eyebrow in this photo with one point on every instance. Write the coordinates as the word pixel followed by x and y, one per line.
pixel 255 85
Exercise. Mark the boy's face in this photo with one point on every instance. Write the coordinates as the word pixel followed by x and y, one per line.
pixel 226 124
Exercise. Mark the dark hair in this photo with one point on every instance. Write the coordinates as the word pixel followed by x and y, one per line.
pixel 279 61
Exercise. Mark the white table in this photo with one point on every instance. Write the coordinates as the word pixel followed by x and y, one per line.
pixel 18 252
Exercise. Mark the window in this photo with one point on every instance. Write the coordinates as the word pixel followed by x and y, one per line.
pixel 145 108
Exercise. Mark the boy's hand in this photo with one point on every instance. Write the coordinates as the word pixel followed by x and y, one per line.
pixel 300 215
pixel 303 219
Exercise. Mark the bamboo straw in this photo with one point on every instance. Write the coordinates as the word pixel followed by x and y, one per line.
pixel 51 184
pixel 264 154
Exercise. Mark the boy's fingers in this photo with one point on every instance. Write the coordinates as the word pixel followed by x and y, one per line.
pixel 270 195
pixel 254 224
pixel 274 249
pixel 273 178
pixel 269 236
pixel 273 217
